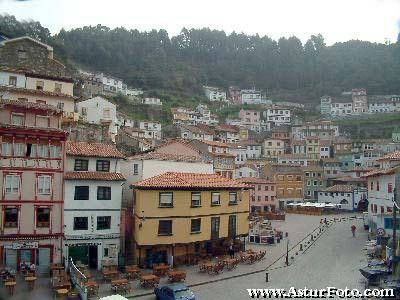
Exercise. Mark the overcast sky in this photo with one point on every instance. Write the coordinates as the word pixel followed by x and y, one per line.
pixel 336 20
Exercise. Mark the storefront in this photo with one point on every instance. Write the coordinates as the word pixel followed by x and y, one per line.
pixel 30 252
pixel 93 252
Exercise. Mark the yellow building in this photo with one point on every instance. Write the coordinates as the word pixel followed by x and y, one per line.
pixel 313 147
pixel 180 217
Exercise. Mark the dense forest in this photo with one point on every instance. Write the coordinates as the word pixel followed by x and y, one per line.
pixel 183 63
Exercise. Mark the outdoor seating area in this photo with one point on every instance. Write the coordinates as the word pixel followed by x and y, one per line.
pixel 311 208
pixel 226 263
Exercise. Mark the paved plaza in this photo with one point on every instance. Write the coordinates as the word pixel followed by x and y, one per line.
pixel 333 259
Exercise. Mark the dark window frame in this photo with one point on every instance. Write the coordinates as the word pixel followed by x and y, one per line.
pixel 43 223
pixel 102 165
pixel 105 219
pixel 81 219
pixel 11 223
pixel 195 225
pixel 104 193
pixel 76 192
pixel 80 164
pixel 165 227
pixel 164 205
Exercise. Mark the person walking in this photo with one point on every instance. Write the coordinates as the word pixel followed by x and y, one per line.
pixel 231 251
pixel 353 230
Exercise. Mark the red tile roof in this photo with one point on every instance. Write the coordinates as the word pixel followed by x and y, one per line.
pixel 253 180
pixel 390 156
pixel 105 176
pixel 340 188
pixel 30 105
pixel 379 172
pixel 92 149
pixel 35 92
pixel 165 156
pixel 174 180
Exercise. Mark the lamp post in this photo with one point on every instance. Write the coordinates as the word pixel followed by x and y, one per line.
pixel 287 252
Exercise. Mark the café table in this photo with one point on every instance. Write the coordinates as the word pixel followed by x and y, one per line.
pixel 10 286
pixel 120 284
pixel 160 270
pixel 31 281
pixel 62 293
pixel 92 288
pixel 206 266
pixel 149 281
pixel 110 274
pixel 176 276
pixel 132 272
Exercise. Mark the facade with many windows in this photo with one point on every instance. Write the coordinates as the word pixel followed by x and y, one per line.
pixel 178 215
pixel 92 210
pixel 31 182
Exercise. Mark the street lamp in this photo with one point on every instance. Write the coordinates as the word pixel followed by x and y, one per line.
pixel 287 252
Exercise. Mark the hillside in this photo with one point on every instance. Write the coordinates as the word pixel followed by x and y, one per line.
pixel 180 65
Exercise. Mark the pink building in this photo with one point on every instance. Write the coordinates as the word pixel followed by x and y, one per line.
pixel 249 116
pixel 32 155
pixel 263 194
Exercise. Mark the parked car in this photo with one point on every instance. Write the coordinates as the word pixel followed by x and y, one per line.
pixel 177 291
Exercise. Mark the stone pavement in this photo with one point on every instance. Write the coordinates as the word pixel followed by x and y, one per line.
pixel 297 226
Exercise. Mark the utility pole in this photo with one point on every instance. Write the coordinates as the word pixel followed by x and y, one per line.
pixel 287 251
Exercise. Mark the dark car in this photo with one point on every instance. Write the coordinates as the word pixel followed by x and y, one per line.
pixel 178 291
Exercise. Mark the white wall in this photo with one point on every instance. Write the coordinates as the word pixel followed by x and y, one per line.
pixel 5 79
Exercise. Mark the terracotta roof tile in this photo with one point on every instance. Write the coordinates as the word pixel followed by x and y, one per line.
pixel 105 176
pixel 30 105
pixel 340 188
pixel 390 156
pixel 165 156
pixel 92 149
pixel 34 92
pixel 174 180
pixel 253 180
pixel 379 172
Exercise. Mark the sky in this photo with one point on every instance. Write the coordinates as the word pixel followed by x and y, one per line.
pixel 336 20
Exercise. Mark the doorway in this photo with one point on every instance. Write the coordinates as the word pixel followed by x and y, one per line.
pixel 93 256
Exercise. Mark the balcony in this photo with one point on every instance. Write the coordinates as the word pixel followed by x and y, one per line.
pixel 70 117
pixel 28 163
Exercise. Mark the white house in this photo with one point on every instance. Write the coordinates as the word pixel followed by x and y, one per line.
pixel 247 170
pixel 240 152
pixel 250 96
pixel 253 149
pixel 152 129
pixel 189 132
pixel 99 111
pixel 12 78
pixel 347 196
pixel 151 101
pixel 278 116
pixel 214 93
pixel 92 203
pixel 111 84
pixel 341 109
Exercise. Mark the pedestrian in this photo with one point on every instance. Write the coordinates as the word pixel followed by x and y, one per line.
pixel 231 251
pixel 353 230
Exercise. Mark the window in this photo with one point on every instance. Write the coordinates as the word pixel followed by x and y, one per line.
pixel 135 169
pixel 372 185
pixel 81 165
pixel 84 111
pixel 166 200
pixel 21 54
pixel 17 119
pixel 81 193
pixel 12 81
pixel 103 166
pixel 215 198
pixel 19 149
pixel 215 221
pixel 80 223
pixel 10 217
pixel 39 85
pixel 196 199
pixel 43 151
pixel 103 223
pixel 60 105
pixel 233 198
pixel 165 227
pixel 12 184
pixel 42 121
pixel 344 201
pixel 43 217
pixel 6 149
pixel 44 185
pixel 103 193
pixel 390 188
pixel 377 185
pixel 55 151
pixel 232 226
pixel 57 87
pixel 195 226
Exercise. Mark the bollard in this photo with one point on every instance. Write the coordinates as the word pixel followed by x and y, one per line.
pixel 301 247
pixel 266 276
pixel 312 237
pixel 286 234
pixel 278 241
